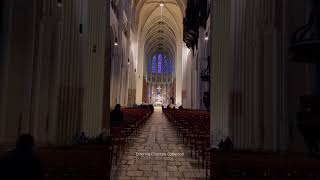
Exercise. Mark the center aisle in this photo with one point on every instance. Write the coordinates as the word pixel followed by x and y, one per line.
pixel 157 153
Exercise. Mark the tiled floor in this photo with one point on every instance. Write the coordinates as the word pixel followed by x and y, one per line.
pixel 157 153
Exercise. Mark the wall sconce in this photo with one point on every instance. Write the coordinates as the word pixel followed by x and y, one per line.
pixel 116 42
pixel 206 38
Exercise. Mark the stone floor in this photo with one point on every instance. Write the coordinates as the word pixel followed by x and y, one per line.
pixel 157 153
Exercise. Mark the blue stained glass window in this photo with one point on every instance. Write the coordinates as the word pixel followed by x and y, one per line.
pixel 169 66
pixel 154 63
pixel 149 65
pixel 159 62
pixel 164 64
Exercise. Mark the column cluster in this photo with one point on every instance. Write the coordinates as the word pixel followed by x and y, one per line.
pixel 246 69
pixel 64 74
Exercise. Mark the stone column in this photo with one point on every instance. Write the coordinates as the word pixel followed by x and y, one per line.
pixel 139 74
pixel 45 77
pixel 119 60
pixel 70 98
pixel 202 65
pixel 106 122
pixel 19 53
pixel 245 52
pixel 94 47
pixel 6 17
pixel 221 70
pixel 178 71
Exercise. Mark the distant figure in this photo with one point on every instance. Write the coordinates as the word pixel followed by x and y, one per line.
pixel 117 116
pixel 75 138
pixel 228 144
pixel 221 145
pixel 83 139
pixel 171 100
pixel 21 163
pixel 103 135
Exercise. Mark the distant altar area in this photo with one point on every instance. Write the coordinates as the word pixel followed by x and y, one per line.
pixel 158 101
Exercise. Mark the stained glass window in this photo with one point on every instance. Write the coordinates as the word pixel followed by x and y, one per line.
pixel 164 69
pixel 149 65
pixel 154 63
pixel 169 66
pixel 159 62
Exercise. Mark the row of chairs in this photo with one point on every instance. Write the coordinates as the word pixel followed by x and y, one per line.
pixel 86 162
pixel 247 165
pixel 193 126
pixel 134 119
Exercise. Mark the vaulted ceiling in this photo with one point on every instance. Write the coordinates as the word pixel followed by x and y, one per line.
pixel 159 24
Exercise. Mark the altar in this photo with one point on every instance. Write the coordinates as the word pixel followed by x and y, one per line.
pixel 158 101
pixel 158 97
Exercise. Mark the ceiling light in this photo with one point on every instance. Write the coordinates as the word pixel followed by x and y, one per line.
pixel 161 4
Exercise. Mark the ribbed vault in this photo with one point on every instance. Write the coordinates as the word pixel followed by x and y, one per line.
pixel 159 24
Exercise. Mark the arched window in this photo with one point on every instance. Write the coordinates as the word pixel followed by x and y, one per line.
pixel 169 66
pixel 164 69
pixel 149 65
pixel 154 64
pixel 159 62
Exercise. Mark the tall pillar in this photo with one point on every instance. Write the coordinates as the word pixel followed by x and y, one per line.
pixel 221 70
pixel 46 77
pixel 178 71
pixel 124 83
pixel 93 39
pixel 6 19
pixel 247 66
pixel 202 64
pixel 71 92
pixel 139 74
pixel 20 40
pixel 120 55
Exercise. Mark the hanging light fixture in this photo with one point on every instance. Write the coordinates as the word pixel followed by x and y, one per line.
pixel 161 4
